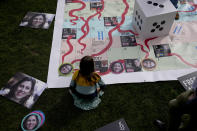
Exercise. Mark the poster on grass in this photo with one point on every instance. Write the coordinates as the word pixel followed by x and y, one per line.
pixel 189 81
pixel 37 20
pixel 102 29
pixel 119 125
pixel 23 89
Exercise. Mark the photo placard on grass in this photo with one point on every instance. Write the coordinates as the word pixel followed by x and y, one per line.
pixel 189 81
pixel 37 20
pixel 33 121
pixel 119 125
pixel 23 89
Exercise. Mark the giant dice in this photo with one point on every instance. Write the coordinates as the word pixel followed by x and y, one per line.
pixel 153 18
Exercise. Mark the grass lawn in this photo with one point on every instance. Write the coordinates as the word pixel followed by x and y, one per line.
pixel 27 50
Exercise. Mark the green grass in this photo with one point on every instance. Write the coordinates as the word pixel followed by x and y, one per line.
pixel 28 50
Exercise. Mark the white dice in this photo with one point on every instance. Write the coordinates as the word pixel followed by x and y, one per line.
pixel 153 18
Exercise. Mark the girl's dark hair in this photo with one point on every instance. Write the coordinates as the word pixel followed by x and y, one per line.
pixel 14 88
pixel 31 20
pixel 87 67
pixel 25 122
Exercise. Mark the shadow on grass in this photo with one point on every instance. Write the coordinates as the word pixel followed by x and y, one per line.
pixel 63 112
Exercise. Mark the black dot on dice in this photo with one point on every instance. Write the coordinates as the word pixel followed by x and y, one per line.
pixel 141 21
pixel 138 16
pixel 155 4
pixel 140 27
pixel 154 24
pixel 163 22
pixel 135 18
pixel 149 2
pixel 153 30
pixel 161 6
pixel 136 12
pixel 157 26
pixel 137 23
pixel 160 29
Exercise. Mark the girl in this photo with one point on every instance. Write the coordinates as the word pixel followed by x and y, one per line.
pixel 86 85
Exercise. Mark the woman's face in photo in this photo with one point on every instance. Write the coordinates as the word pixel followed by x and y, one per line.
pixel 37 21
pixel 147 64
pixel 66 69
pixel 117 67
pixel 31 122
pixel 23 90
pixel 137 63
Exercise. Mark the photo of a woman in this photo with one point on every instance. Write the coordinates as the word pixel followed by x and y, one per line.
pixel 22 90
pixel 116 67
pixel 37 21
pixel 148 64
pixel 31 122
pixel 65 69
